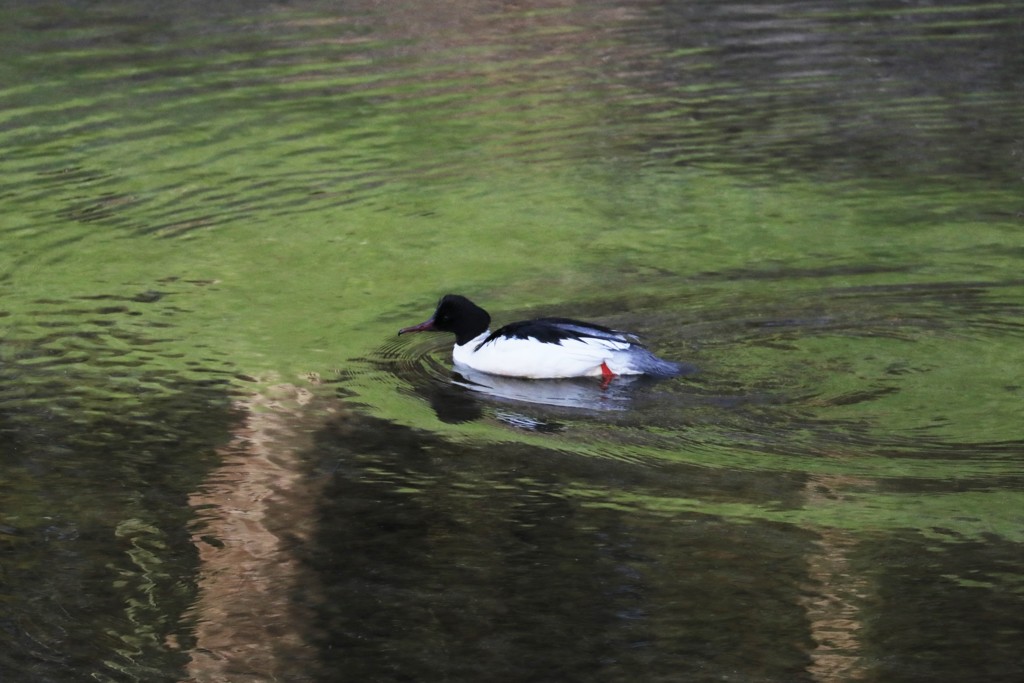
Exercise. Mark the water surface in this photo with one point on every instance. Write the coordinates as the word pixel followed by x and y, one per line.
pixel 220 464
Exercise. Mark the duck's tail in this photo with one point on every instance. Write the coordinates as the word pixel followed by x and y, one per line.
pixel 645 362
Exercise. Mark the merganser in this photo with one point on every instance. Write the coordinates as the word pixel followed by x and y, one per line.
pixel 545 348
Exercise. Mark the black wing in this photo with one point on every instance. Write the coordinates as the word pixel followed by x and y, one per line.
pixel 554 330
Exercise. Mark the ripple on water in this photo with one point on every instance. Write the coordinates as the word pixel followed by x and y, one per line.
pixel 843 389
pixel 266 143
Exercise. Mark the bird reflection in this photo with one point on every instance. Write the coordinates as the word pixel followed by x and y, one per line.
pixel 582 393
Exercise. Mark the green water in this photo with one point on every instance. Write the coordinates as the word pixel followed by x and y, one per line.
pixel 219 463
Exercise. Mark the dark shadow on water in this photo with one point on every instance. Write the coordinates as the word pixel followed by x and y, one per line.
pixel 432 560
pixel 98 565
pixel 436 561
pixel 960 619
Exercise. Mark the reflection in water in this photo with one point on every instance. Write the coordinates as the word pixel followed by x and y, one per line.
pixel 590 395
pixel 585 393
pixel 818 205
pixel 247 625
pixel 833 598
pixel 416 557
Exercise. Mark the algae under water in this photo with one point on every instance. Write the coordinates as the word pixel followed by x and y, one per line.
pixel 219 464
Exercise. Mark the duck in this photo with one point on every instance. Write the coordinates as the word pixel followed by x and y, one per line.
pixel 542 348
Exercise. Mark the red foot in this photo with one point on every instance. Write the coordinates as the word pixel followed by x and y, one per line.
pixel 606 375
